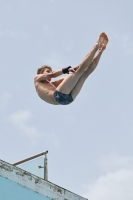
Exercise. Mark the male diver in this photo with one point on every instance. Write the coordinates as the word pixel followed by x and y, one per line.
pixel 64 90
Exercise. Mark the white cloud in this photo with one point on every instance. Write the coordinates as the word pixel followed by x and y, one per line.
pixel 21 120
pixel 116 183
pixel 4 100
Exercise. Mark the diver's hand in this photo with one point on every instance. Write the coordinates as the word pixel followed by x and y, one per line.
pixel 73 70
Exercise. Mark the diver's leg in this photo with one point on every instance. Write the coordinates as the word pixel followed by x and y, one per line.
pixel 96 59
pixel 75 91
pixel 94 63
pixel 70 81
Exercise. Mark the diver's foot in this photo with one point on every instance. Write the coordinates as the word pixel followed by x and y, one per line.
pixel 102 41
pixel 105 42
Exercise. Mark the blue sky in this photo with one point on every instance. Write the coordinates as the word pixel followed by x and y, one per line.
pixel 89 141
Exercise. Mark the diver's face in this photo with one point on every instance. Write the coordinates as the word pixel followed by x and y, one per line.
pixel 47 71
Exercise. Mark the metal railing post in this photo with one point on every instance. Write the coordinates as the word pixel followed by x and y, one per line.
pixel 46 168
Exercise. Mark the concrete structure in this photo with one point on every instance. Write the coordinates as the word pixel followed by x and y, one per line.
pixel 17 184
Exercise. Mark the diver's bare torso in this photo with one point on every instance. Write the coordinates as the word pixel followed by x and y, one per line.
pixel 45 91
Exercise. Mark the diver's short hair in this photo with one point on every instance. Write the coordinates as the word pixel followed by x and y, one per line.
pixel 42 68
